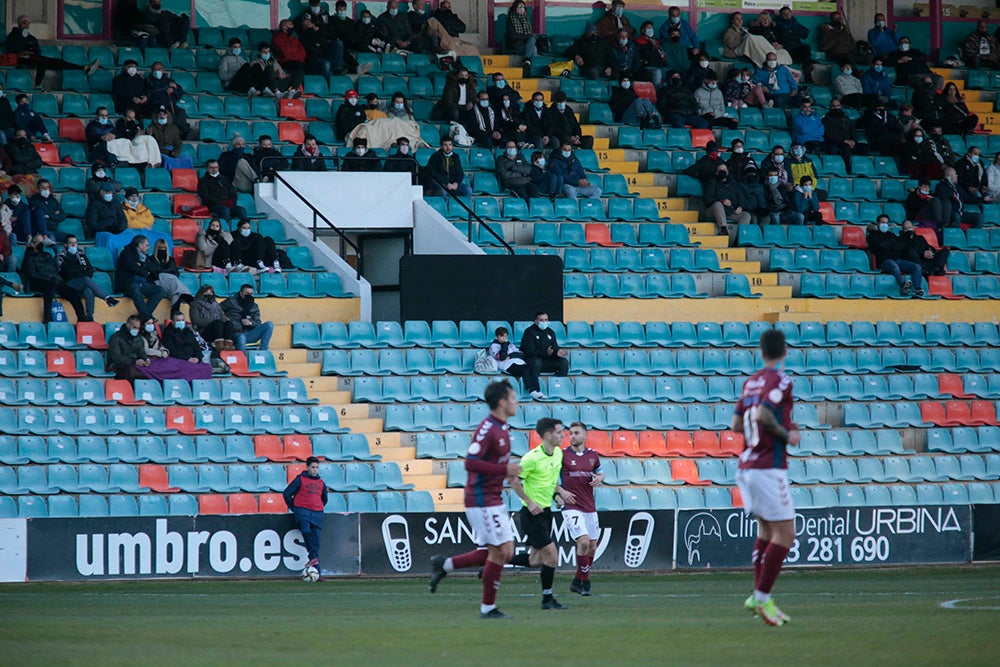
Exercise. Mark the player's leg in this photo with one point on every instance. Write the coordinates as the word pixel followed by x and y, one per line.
pixel 782 538
pixel 497 556
pixel 305 523
pixel 759 546
pixel 582 566
pixel 482 526
pixel 593 527
pixel 774 507
pixel 549 559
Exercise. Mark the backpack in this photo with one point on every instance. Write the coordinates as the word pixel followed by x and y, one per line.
pixel 57 313
pixel 485 363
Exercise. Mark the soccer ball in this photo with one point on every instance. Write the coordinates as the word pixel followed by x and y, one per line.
pixel 310 574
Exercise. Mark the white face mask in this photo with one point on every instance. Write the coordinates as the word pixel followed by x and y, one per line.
pixel 541 163
pixel 904 47
pixel 341 15
pixel 265 56
pixel 798 152
pixel 807 189
pixel 502 83
pixel 506 104
pixel 772 64
pixel 619 11
pixel 846 72
pixel 648 32
pixel 99 173
pixel 180 325
pixel 511 152
pixel 703 63
pixel 543 325
pixel 484 103
pixel 626 84
pixel 883 227
pixel 360 150
pixel 158 74
pixel 738 149
pixel 918 139
pixel 538 104
pixel 215 175
pixel 352 101
pixel 150 328
pixel 245 231
pixel 25 32
pixel 713 86
pixel 131 71
pixel 237 50
pixel 315 10
pixel 404 149
pixel 45 193
pixel 107 196
pixel 566 154
pixel 778 159
pixel 879 24
pixel 399 106
pixel 15 200
pixel 161 121
pixel 623 42
pixel 561 106
pixel 393 12
pixel 134 203
pixel 72 249
pixel 366 20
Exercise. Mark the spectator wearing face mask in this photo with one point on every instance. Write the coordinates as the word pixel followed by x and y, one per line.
pixel 775 161
pixel 253 250
pixel 799 165
pixel 127 351
pixel 742 91
pixel 361 158
pixel 712 103
pixel 173 28
pixel 626 53
pixel 752 194
pixel 778 202
pixel 848 87
pixel 885 249
pixel 24 158
pixel 918 201
pixel 514 172
pixel 395 26
pixel 944 154
pixel 592 55
pixel 705 167
pixel 131 145
pixel 22 224
pixel 740 162
pixel 972 180
pixel 910 64
pixel 629 108
pixel 520 37
pixel 914 248
pixel 163 268
pixel 166 134
pixel 739 42
pixel 884 40
pixel 128 89
pixel 568 169
pixel 276 81
pixel 76 271
pixel 542 354
pixel 955 115
pixel 164 92
pixel 182 343
pixel 724 202
pixel 135 277
pixel 791 34
pixel 287 48
pixel 26 119
pixel 403 160
pixel 137 214
pixel 444 172
pixel 244 314
pixel 349 115
pixel 399 107
pixel 218 194
pixel 267 159
pixel 839 136
pixel 677 104
pixel 20 41
pixel 546 183
pixel 993 179
pixel 483 123
pixel 510 123
pixel 536 122
pixel 163 366
pixel 780 87
pixel 876 86
pixel 613 22
pixel 835 38
pixel 367 36
pixel 41 274
pixel 46 211
pixel 498 89
pixel 806 202
pixel 884 131
pixel 308 156
pixel 688 38
pixel 213 246
pixel 458 98
pixel 652 57
pixel 209 319
pixel 954 212
pixel 563 124
pixel 235 165
pixel 373 108
pixel 99 132
pixel 918 159
pixel 234 68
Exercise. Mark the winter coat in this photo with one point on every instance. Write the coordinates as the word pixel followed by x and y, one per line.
pixel 513 171
pixel 124 348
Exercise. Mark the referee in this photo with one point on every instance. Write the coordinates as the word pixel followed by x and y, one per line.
pixel 536 487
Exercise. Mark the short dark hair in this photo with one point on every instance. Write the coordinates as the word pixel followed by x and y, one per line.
pixel 68 237
pixel 43 180
pixel 133 318
pixel 578 425
pixel 805 179
pixel 209 163
pixel 13 190
pixel 546 425
pixel 559 96
pixel 311 460
pixel 245 286
pixel 22 96
pixel 539 313
pixel 496 392
pixel 772 344
pixel 536 155
pixel 308 137
pixel 263 137
pixel 501 331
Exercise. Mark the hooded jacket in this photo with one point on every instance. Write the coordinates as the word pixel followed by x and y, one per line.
pixel 124 348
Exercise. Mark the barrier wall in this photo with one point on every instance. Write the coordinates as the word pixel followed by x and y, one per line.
pixel 270 546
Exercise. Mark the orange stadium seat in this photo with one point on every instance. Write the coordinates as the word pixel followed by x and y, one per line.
pixel 212 504
pixel 941 286
pixel 934 413
pixel 700 138
pixel 534 439
pixel 91 334
pixel 297 448
pixel 929 235
pixel 686 471
pixel 600 234
pixel 154 476
pixel 268 446
pixel 184 179
pixel 121 392
pixel 272 503
pixel 294 471
pixel 242 503
pixel 626 443
pixel 730 443
pixel 600 442
pixel 291 132
pixel 827 213
pixel 294 109
pixel 705 443
pixel 854 237
pixel 186 229
pixel 181 419
pixel 645 90
pixel 950 384
pixel 652 443
pixel 238 364
pixel 958 413
pixel 188 204
pixel 983 413
pixel 679 443
pixel 737 496
pixel 72 129
pixel 63 363
pixel 49 153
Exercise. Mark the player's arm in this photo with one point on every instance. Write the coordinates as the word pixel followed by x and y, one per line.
pixel 291 490
pixel 737 423
pixel 565 497
pixel 769 423
pixel 597 477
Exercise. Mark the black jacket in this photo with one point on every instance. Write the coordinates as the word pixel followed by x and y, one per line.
pixel 303 162
pixel 39 266
pixel 124 348
pixel 181 343
pixel 538 121
pixel 74 266
pixel 595 52
pixel 444 169
pixel 970 175
pixel 6 114
pixel 398 162
pixel 716 190
pixel 453 25
pixel 50 208
pixel 132 268
pixel 676 100
pixel 838 127
pixel 104 216
pixel 275 161
pixel 621 100
pixel 563 124
pixel 18 43
pixel 535 342
pixel 882 246
pixel 215 190
pixel 125 88
pixel 348 117
pixel 367 162
pixel 911 247
pixel 23 156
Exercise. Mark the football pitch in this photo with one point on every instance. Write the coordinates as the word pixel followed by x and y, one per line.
pixel 914 616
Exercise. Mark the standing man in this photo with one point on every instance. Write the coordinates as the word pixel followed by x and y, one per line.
pixel 764 415
pixel 489 464
pixel 536 487
pixel 581 473
pixel 542 354
pixel 306 498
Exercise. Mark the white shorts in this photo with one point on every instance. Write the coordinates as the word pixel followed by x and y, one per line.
pixel 582 523
pixel 491 525
pixel 766 494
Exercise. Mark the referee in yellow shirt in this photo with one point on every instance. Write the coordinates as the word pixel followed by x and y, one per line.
pixel 537 485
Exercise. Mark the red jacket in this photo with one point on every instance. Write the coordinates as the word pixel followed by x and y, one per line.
pixel 288 48
pixel 5 248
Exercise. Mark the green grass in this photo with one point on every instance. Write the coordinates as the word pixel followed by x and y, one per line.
pixel 891 616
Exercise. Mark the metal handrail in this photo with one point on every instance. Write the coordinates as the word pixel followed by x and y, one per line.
pixel 472 214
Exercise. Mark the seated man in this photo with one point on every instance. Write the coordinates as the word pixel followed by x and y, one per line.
pixel 566 167
pixel 953 207
pixel 253 250
pixel 613 22
pixel 267 159
pixel 915 248
pixel 395 27
pixel 780 87
pixel 349 115
pixel 849 88
pixel 127 351
pixel 884 40
pixel 712 103
pixel 173 28
pixel 705 167
pixel 218 194
pixel 807 128
pixel 287 49
pixel 277 82
pixel 444 172
pixel 180 339
pixel 799 165
pixel 308 156
pixel 563 124
pixel 806 201
pixel 514 173
pixel 236 165
pixel 361 158
pixel 484 123
pixel 134 277
pixel 167 134
pixel 542 354
pixel 536 123
pixel 137 214
pixel 403 160
pixel 980 49
pixel 26 119
pixel 723 199
pixel 886 250
pixel 234 69
pixel 678 105
pixel 46 211
pixel 20 41
pixel 41 274
pixel 77 271
pixel 777 202
pixel 593 55
pixel 839 135
pixel 548 184
pixel 243 313
pixel 972 180
pixel 835 39
pixel 104 214
pixel 23 225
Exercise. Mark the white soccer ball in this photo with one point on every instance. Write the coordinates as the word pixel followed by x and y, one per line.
pixel 310 574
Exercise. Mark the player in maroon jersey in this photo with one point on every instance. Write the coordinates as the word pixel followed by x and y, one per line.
pixel 489 464
pixel 764 415
pixel 581 473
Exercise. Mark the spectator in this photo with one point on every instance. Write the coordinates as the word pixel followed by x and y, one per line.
pixel 514 172
pixel 46 212
pixel 173 29
pixel 509 121
pixel 403 161
pixel 457 99
pixel 98 179
pixel 418 16
pixel 807 128
pixel 520 38
pixel 705 167
pixel 128 89
pixel 740 42
pixel 210 320
pixel 712 103
pixel 277 82
pixel 484 123
pixel 956 116
pixel 919 159
pixel 499 89
pixel 23 225
pixel 806 202
pixel 182 343
pixel 907 119
pixel 993 179
pixel 779 85
pixel 162 366
pixel 399 107
pixel 566 167
pixel 20 41
pixel 448 19
pixel 218 194
pixel 791 34
pixel 546 183
pixel 234 70
pixel 213 246
pixel 536 122
pixel 564 126
pixel 876 86
pixel 592 55
pixel 444 172
pixel 677 55
pixel 341 28
pixel 542 354
pixel 631 109
pixel 927 104
pixel 740 162
pixel 6 119
pixel 349 115
pixel 918 202
pixel 775 161
pixel 8 261
pixel 267 159
pixel 695 77
pixel 835 39
pixel 915 248
pixel 165 93
pixel 24 158
pixel 972 181
pixel 884 131
pixel 943 152
pixel 26 119
pixel 848 88
pixel 885 249
pixel 723 199
pixel 41 274
pixel 952 207
pixel 236 165
pixel 75 270
pixel 652 57
pixel 164 269
pixel 801 165
pixel 614 21
pixel 360 158
pixel 752 195
pixel 127 351
pixel 839 135
pixel 626 54
pixel 166 134
pixel 778 202
pixel 244 314
pixel 884 40
pixel 688 38
pixel 910 63
pixel 250 249
pixel 742 91
pixel 368 36
pixel 131 145
pixel 308 157
pixel 287 49
pixel 318 15
pixel 395 27
pixel 980 49
pixel 135 277
pixel 508 356
pixel 678 105
pixel 373 108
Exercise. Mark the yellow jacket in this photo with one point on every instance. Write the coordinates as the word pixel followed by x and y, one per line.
pixel 138 218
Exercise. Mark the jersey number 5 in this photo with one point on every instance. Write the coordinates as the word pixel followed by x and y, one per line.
pixel 751 430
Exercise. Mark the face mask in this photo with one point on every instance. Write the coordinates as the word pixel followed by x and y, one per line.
pixel 925 192
pixel 245 232
pixel 675 20
pixel 341 15
pixel 265 56
pixel 511 152
pixel 103 121
pixel 315 10
pixel 879 24
pixel 538 104
pixel 703 64
pixel 561 106
pixel 773 180
pixel 738 149
pixel 99 173
pixel 72 249
pixel 713 86
pixel 623 42
pixel 150 328
pixel 714 155
pixel 484 103
pixel 133 332
pixel 807 189
pixel 918 140
pixel 237 50
pixel 543 325
pixel 352 101
pixel 158 74
pixel 566 154
pixel 648 32
pixel 722 175
pixel 798 152
pixel 107 196
pixel 1 93
pixel 25 32
pixel 393 12
pixel 180 325
pixel 399 106
pixel 626 84
pixel 161 121
pixel 904 47
pixel 506 104
pixel 619 11
pixel 239 150
pixel 846 72
pixel 772 64
pixel 541 163
pixel 366 20
pixel 360 150
pixel 500 84
pixel 15 200
pixel 836 111
pixel 215 175
pixel 45 193
pixel 404 149
pixel 131 71
pixel 974 159
pixel 877 68
pixel 778 159
pixel 883 227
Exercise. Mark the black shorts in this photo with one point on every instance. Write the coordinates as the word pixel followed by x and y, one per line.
pixel 537 528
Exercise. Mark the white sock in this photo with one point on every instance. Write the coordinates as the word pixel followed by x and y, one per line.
pixel 449 566
pixel 547 591
pixel 486 608
pixel 761 598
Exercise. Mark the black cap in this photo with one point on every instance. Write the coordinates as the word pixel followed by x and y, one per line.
pixel 712 146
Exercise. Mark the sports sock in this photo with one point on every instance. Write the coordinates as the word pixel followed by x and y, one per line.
pixel 770 566
pixel 548 575
pixel 491 582
pixel 521 559
pixel 583 564
pixel 470 559
pixel 758 552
